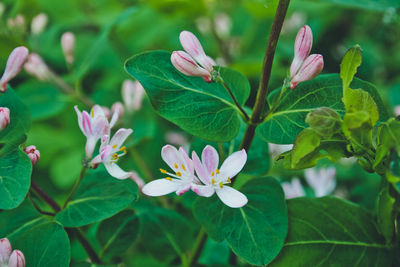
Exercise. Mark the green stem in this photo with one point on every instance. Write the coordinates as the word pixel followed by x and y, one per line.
pixel 219 79
pixel 76 185
pixel 221 151
pixel 197 248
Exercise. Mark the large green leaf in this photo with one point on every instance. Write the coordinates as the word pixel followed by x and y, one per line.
pixel 255 232
pixel 200 108
pixel 375 5
pixel 99 196
pixel 331 232
pixel 20 122
pixel 43 242
pixel 15 178
pixel 283 125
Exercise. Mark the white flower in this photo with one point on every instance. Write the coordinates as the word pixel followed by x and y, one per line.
pixel 322 181
pixel 293 189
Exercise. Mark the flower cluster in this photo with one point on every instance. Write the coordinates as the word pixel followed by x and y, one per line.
pixel 209 179
pixel 193 62
pixel 8 257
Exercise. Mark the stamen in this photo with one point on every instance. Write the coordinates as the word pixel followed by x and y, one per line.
pixel 179 174
pixel 212 173
pixel 183 167
pixel 163 171
pixel 176 165
pixel 221 185
pixel 114 146
pixel 123 149
pixel 213 181
pixel 92 113
pixel 217 171
pixel 229 180
pixel 168 178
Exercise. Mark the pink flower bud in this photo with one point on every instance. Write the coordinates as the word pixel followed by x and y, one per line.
pixel 33 154
pixel 17 259
pixel 185 64
pixel 5 250
pixel 36 67
pixel 68 46
pixel 4 118
pixel 311 67
pixel 14 64
pixel 117 107
pixel 39 23
pixel 193 47
pixel 132 94
pixel 302 48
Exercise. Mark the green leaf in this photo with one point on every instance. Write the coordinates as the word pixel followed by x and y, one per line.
pixel 43 242
pixel 331 232
pixel 118 233
pixel 200 108
pixel 388 138
pixel 99 196
pixel 15 178
pixel 324 121
pixel 20 122
pixel 43 100
pixel 348 68
pixel 282 126
pixel 374 5
pixel 306 143
pixel 255 232
pixel 386 217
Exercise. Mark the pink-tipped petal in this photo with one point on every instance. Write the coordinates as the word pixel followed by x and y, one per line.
pixel 200 170
pixel 186 65
pixel 17 259
pixel 160 187
pixel 14 64
pixel 86 124
pixel 311 67
pixel 203 190
pixel 183 189
pixel 119 138
pixel 191 44
pixel 210 158
pixel 4 117
pixel 302 47
pixel 5 250
pixel 231 197
pixel 234 164
pixel 33 154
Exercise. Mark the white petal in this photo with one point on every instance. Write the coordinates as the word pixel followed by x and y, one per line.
pixel 188 162
pixel 79 114
pixel 233 164
pixel 183 189
pixel 293 189
pixel 90 146
pixel 210 158
pixel 160 187
pixel 203 190
pixel 114 118
pixel 171 156
pixel 200 170
pixel 115 171
pixel 119 138
pixel 97 111
pixel 231 197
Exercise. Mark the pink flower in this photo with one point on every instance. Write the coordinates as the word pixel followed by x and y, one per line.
pixel 186 65
pixel 132 95
pixel 304 67
pixel 68 46
pixel 13 66
pixel 4 118
pixel 8 258
pixel 33 154
pixel 180 180
pixel 111 151
pixel 36 67
pixel 215 180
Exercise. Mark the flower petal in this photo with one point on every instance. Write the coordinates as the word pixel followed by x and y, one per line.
pixel 160 187
pixel 5 250
pixel 91 142
pixel 79 114
pixel 97 111
pixel 231 197
pixel 17 259
pixel 171 156
pixel 115 171
pixel 210 158
pixel 183 189
pixel 200 170
pixel 86 124
pixel 188 161
pixel 233 164
pixel 119 138
pixel 203 190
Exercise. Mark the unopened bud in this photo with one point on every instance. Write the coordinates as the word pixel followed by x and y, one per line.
pixel 14 65
pixel 311 67
pixel 39 23
pixel 4 118
pixel 223 24
pixel 33 154
pixel 117 107
pixel 176 138
pixel 5 250
pixel 36 67
pixel 186 65
pixel 302 47
pixel 324 121
pixel 17 23
pixel 17 259
pixel 193 47
pixel 68 46
pixel 132 95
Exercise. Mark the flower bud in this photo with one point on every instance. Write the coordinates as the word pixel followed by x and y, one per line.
pixel 17 259
pixel 311 67
pixel 33 154
pixel 4 118
pixel 39 23
pixel 17 23
pixel 193 47
pixel 324 121
pixel 302 47
pixel 68 46
pixel 14 64
pixel 132 95
pixel 5 250
pixel 117 107
pixel 186 65
pixel 36 67
pixel 397 110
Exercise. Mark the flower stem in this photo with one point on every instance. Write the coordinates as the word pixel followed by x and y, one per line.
pixel 45 197
pixel 38 208
pixel 219 79
pixel 71 194
pixel 197 248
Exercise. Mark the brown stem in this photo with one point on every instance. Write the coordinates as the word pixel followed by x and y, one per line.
pixel 76 185
pixel 38 208
pixel 45 197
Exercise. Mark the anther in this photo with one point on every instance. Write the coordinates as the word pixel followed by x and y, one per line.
pixel 221 185
pixel 213 181
pixel 229 180
pixel 217 171
pixel 114 146
pixel 179 174
pixel 212 173
pixel 163 171
pixel 183 167
pixel 168 178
